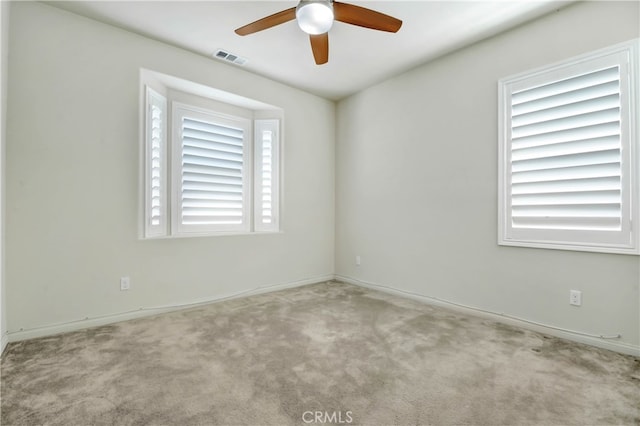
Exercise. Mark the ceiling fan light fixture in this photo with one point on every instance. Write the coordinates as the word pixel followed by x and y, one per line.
pixel 315 16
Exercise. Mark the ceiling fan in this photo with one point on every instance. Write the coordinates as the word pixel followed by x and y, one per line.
pixel 315 17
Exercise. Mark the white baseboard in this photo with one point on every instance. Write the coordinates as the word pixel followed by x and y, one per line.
pixel 4 340
pixel 621 347
pixel 48 330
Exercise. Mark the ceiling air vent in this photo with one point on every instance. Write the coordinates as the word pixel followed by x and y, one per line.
pixel 229 57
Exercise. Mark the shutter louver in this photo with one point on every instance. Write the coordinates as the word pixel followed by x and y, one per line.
pixel 566 154
pixel 156 164
pixel 155 148
pixel 212 174
pixel 267 180
pixel 266 197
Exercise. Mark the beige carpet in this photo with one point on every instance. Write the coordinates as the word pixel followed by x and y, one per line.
pixel 329 352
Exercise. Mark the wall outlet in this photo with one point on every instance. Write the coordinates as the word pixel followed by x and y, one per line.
pixel 357 260
pixel 125 283
pixel 575 297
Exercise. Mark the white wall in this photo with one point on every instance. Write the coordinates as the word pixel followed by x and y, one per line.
pixel 417 186
pixel 4 50
pixel 72 180
pixel 415 183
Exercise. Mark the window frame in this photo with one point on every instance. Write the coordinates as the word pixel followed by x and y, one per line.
pixel 224 106
pixel 625 241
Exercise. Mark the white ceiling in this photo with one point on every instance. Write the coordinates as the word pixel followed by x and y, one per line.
pixel 358 57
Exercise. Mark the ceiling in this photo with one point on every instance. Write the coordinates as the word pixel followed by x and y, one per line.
pixel 358 57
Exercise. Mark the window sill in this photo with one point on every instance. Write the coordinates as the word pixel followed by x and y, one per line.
pixel 571 247
pixel 209 234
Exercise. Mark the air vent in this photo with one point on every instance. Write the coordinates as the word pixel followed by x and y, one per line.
pixel 229 57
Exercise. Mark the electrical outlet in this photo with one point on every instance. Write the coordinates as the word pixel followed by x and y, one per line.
pixel 125 283
pixel 357 260
pixel 575 297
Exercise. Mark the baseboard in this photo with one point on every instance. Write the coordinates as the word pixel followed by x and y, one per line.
pixel 518 322
pixel 4 341
pixel 48 330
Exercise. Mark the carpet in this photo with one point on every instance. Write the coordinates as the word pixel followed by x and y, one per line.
pixel 328 353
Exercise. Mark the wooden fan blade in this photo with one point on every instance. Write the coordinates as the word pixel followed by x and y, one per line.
pixel 268 22
pixel 320 47
pixel 363 17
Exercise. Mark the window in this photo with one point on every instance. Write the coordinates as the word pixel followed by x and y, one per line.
pixel 211 168
pixel 155 163
pixel 569 154
pixel 267 175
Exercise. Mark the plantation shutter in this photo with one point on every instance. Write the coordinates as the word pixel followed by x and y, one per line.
pixel 156 171
pixel 267 175
pixel 567 155
pixel 213 190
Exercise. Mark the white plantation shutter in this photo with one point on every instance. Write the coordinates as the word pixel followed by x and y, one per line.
pixel 209 169
pixel 267 176
pixel 211 176
pixel 155 168
pixel 566 155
